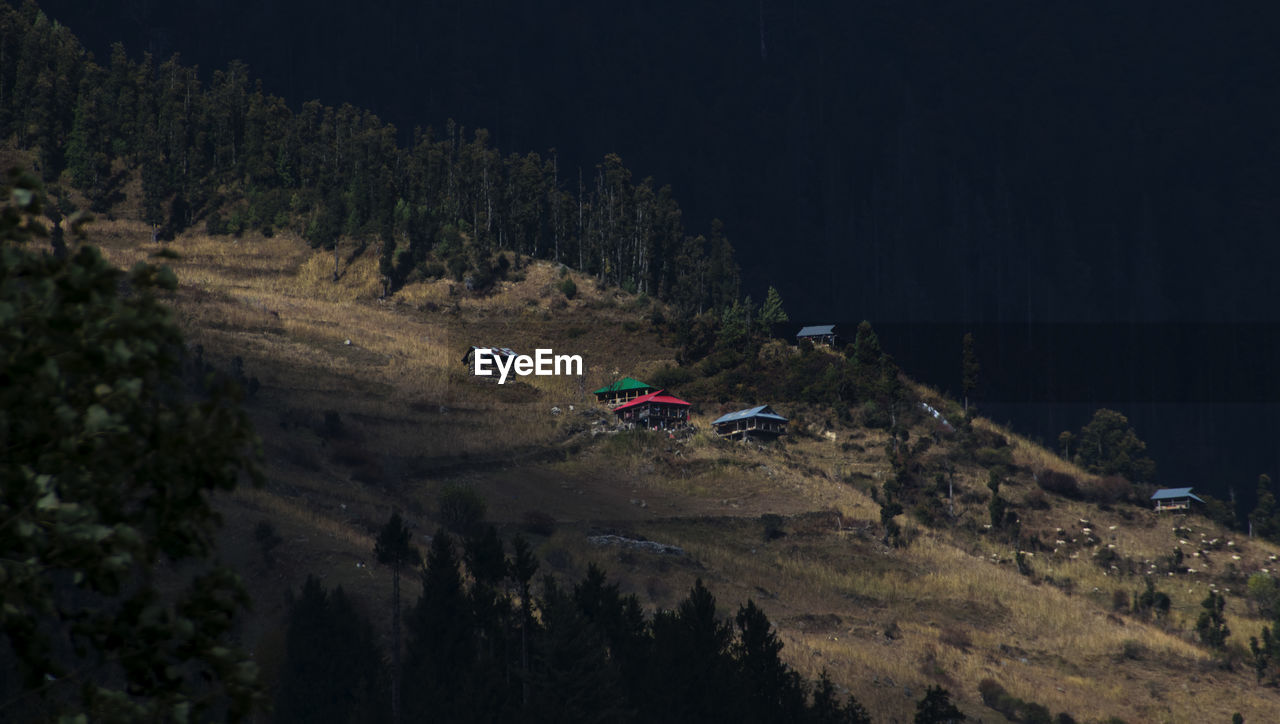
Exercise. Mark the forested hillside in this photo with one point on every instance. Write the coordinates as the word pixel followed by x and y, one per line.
pixel 232 157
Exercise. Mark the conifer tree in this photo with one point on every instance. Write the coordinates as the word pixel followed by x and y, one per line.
pixel 573 678
pixel 333 669
pixel 1266 517
pixel 827 710
pixel 395 548
pixel 1212 625
pixel 969 369
pixel 521 568
pixel 1109 445
pixel 690 673
pixel 440 653
pixel 771 312
pixel 936 708
pixel 771 691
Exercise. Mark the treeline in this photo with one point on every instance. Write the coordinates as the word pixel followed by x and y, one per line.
pixel 235 158
pixel 483 647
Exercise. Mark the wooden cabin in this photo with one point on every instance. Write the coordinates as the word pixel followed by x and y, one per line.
pixel 1174 499
pixel 469 357
pixel 758 422
pixel 624 390
pixel 656 411
pixel 818 334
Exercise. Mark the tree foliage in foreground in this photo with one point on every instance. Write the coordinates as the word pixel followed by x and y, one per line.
pixel 483 646
pixel 104 489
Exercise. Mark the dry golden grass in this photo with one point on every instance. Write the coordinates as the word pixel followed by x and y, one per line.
pixel 1030 455
pixel 413 421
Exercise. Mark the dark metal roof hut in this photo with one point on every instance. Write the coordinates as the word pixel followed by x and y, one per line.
pixel 760 422
pixel 818 334
pixel 1174 499
pixel 624 390
pixel 656 411
pixel 496 352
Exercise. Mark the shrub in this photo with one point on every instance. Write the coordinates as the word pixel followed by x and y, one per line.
pixel 669 377
pixel 956 638
pixel 772 526
pixel 568 288
pixel 990 457
pixel 1105 557
pixel 215 225
pixel 350 454
pixel 265 534
pixel 1119 600
pixel 1131 649
pixel 1036 500
pixel 1264 592
pixel 537 522
pixel 559 559
pixel 1063 484
pixel 462 509
pixel 1106 490
pixel 332 424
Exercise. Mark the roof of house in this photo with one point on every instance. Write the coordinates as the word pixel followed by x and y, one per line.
pixel 761 411
pixel 652 397
pixel 624 384
pixel 816 330
pixel 1170 493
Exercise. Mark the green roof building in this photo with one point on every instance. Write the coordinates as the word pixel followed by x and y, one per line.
pixel 624 390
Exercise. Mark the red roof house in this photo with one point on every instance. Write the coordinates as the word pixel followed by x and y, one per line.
pixel 656 411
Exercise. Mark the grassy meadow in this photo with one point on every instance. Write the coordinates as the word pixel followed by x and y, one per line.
pixel 364 406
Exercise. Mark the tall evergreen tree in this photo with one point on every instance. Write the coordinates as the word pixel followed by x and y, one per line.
pixel 771 690
pixel 394 547
pixel 521 569
pixel 1211 626
pixel 440 655
pixel 1109 445
pixel 936 708
pixel 332 670
pixel 691 670
pixel 771 312
pixel 573 678
pixel 826 709
pixel 968 368
pixel 1266 516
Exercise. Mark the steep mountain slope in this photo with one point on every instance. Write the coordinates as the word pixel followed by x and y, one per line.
pixel 364 406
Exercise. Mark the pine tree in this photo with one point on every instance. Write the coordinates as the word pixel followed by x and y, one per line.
pixel 572 678
pixel 1212 625
pixel 936 708
pixel 691 673
pixel 969 369
pixel 521 568
pixel 997 506
pixel 1109 445
pixel 1266 517
pixel 440 653
pixel 395 548
pixel 333 669
pixel 827 710
pixel 771 691
pixel 771 312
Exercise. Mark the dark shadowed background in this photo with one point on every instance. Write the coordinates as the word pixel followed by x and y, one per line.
pixel 1092 187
